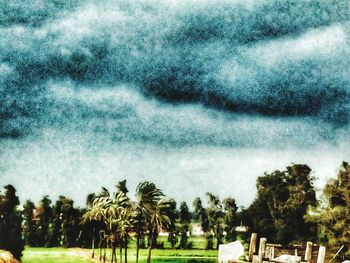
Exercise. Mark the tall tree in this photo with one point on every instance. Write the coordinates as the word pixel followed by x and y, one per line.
pixel 216 218
pixel 29 226
pixel 157 218
pixel 117 214
pixel 46 218
pixel 67 222
pixel 335 218
pixel 230 220
pixel 10 223
pixel 91 220
pixel 201 214
pixel 154 210
pixel 147 195
pixel 172 229
pixel 282 202
pixel 185 219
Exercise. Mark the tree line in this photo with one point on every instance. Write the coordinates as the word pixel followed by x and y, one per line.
pixel 285 210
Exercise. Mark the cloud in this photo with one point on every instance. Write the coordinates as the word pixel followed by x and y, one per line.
pixel 204 92
pixel 274 59
pixel 123 114
pixel 32 13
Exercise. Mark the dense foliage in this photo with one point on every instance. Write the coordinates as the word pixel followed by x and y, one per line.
pixel 334 219
pixel 282 202
pixel 10 222
pixel 285 210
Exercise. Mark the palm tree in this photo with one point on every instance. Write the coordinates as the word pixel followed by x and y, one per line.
pixel 93 215
pixel 147 195
pixel 139 226
pixel 157 218
pixel 87 218
pixel 125 224
pixel 114 211
pixel 117 214
pixel 106 210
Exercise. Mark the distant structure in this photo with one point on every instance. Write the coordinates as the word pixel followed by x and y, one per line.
pixel 242 228
pixel 197 230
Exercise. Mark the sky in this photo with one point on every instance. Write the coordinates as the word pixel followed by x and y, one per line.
pixel 194 95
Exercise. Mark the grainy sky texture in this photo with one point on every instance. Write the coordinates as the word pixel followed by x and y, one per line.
pixel 195 96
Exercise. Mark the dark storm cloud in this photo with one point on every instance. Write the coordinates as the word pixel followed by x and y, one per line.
pixel 125 115
pixel 32 12
pixel 215 54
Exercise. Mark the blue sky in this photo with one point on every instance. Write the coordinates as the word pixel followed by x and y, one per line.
pixel 196 96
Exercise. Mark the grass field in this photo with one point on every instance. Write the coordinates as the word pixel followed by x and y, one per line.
pixel 79 255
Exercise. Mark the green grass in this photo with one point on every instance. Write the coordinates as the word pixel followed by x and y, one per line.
pixel 78 255
pixel 198 242
pixel 52 255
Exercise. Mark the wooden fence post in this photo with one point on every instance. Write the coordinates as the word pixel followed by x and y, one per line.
pixel 321 254
pixel 252 246
pixel 308 252
pixel 262 249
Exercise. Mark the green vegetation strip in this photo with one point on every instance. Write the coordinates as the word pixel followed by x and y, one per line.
pixel 78 255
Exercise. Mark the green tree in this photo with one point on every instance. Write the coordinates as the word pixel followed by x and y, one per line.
pixel 91 221
pixel 154 210
pixel 230 219
pixel 282 202
pixel 117 214
pixel 172 229
pixel 147 195
pixel 140 228
pixel 201 214
pixel 29 226
pixel 45 220
pixel 216 218
pixel 97 213
pixel 335 218
pixel 157 218
pixel 125 226
pixel 185 219
pixel 66 226
pixel 10 223
pixel 125 219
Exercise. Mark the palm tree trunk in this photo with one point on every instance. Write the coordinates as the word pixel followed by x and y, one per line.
pixel 114 253
pixel 150 248
pixel 104 251
pixel 137 246
pixel 112 257
pixel 121 253
pixel 126 249
pixel 149 254
pixel 100 244
pixel 93 243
